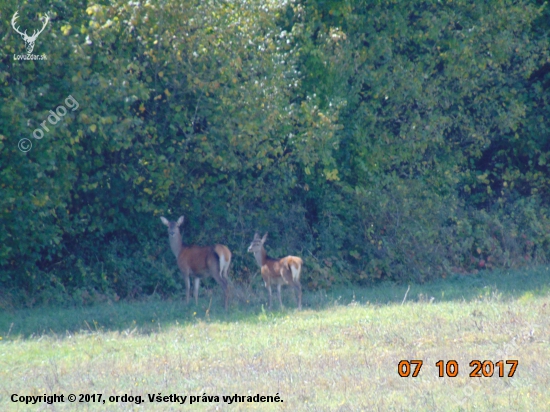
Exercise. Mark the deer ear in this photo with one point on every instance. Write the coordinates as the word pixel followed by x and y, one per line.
pixel 165 221
pixel 256 236
pixel 180 221
pixel 264 238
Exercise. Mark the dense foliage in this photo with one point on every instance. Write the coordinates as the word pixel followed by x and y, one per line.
pixel 380 139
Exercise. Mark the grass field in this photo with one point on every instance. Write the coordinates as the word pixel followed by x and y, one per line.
pixel 341 353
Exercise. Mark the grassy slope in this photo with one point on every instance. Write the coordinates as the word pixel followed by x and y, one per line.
pixel 340 353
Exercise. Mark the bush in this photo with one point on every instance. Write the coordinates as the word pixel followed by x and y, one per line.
pixel 385 140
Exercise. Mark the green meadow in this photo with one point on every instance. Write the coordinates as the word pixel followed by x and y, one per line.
pixel 341 353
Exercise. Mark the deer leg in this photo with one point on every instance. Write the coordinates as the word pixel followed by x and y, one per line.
pixel 224 268
pixel 187 287
pixel 226 295
pixel 226 289
pixel 279 294
pixel 225 286
pixel 298 289
pixel 269 290
pixel 197 283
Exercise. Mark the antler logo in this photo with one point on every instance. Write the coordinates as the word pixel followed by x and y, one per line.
pixel 29 40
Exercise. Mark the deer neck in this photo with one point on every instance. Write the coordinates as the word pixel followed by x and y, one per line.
pixel 261 256
pixel 175 244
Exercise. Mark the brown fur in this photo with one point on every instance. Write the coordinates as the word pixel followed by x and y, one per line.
pixel 199 261
pixel 284 271
pixel 225 259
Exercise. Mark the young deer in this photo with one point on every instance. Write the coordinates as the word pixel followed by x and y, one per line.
pixel 199 261
pixel 284 271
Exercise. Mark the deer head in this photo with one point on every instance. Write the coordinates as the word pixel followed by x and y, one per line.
pixel 29 40
pixel 257 243
pixel 174 234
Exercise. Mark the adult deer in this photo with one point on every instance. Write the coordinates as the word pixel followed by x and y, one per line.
pixel 199 261
pixel 284 271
